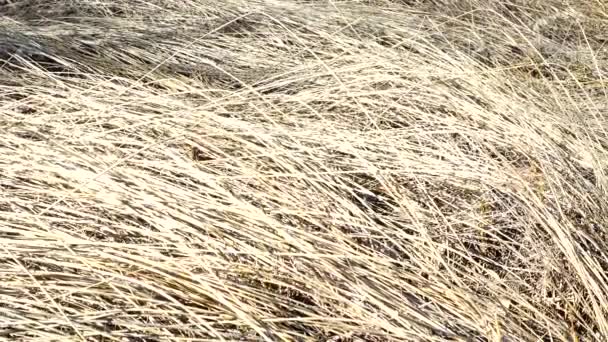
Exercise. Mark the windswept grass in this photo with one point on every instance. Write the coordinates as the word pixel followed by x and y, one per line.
pixel 286 170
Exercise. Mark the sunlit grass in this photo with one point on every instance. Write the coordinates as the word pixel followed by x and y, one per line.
pixel 303 170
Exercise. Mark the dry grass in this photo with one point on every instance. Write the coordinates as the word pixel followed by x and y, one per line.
pixel 286 170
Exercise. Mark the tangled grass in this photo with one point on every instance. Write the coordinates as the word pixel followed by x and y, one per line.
pixel 286 170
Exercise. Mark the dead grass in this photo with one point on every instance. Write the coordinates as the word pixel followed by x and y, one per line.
pixel 303 170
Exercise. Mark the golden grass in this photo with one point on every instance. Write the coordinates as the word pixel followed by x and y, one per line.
pixel 303 170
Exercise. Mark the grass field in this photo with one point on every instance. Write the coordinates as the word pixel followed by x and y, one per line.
pixel 283 170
